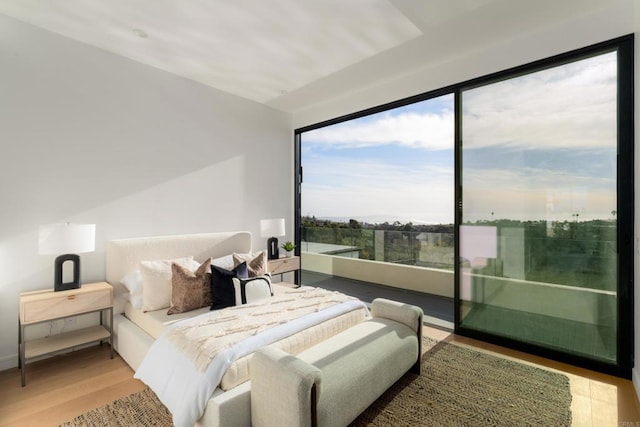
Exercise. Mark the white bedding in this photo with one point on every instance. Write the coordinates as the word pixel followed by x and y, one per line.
pixel 230 403
pixel 185 390
pixel 154 322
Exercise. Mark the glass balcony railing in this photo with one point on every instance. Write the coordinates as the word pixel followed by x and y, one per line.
pixel 422 249
pixel 582 255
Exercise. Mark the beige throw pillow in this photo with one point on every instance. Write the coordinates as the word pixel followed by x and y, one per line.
pixel 190 290
pixel 256 262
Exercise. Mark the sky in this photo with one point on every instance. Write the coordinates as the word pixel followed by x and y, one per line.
pixel 536 147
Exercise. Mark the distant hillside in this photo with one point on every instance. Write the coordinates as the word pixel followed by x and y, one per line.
pixel 312 221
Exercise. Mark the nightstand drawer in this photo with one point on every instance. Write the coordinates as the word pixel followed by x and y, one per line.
pixel 52 305
pixel 284 265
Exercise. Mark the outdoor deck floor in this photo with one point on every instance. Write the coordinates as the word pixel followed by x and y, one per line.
pixel 438 310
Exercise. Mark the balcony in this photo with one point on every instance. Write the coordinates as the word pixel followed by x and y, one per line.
pixel 412 267
pixel 550 290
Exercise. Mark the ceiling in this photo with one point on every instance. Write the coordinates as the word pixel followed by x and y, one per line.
pixel 283 52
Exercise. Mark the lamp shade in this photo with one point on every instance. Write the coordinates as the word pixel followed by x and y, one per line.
pixel 66 238
pixel 272 227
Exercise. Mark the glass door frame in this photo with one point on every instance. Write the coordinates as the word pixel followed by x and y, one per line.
pixel 625 190
pixel 625 207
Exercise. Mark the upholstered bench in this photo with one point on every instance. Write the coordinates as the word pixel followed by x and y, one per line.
pixel 331 383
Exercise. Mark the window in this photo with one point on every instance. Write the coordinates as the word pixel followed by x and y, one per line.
pixel 542 206
pixel 543 199
pixel 380 186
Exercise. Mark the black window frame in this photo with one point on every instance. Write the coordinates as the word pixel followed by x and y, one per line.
pixel 625 194
pixel 625 206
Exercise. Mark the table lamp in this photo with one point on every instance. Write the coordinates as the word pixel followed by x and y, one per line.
pixel 66 239
pixel 272 228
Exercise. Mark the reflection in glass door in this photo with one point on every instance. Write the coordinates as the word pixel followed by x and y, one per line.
pixel 539 223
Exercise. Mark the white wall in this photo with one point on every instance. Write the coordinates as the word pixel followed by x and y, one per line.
pixel 87 136
pixel 612 19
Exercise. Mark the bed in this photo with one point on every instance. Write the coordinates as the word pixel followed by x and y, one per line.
pixel 136 330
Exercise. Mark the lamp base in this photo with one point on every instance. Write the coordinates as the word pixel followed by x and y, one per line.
pixel 75 283
pixel 272 248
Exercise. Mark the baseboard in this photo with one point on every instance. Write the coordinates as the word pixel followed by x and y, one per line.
pixel 9 362
pixel 635 377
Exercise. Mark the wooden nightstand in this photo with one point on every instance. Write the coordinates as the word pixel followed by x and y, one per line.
pixel 45 306
pixel 284 265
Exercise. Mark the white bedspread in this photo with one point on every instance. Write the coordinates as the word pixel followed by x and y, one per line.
pixel 185 389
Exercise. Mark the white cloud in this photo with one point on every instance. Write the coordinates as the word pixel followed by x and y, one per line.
pixel 568 107
pixel 571 106
pixel 410 129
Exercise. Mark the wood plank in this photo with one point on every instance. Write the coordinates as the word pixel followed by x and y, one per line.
pixel 284 265
pixel 65 340
pixel 47 305
pixel 64 387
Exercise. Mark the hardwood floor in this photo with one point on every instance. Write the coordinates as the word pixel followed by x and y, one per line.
pixel 599 400
pixel 63 387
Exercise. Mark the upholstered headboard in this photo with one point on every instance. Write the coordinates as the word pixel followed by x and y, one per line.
pixel 124 255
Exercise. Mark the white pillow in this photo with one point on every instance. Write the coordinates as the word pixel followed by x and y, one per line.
pixel 133 283
pixel 225 262
pixel 255 289
pixel 156 281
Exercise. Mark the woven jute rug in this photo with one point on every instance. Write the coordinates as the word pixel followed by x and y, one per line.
pixel 138 409
pixel 457 387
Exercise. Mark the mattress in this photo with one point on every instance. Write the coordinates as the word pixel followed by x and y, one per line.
pixel 154 322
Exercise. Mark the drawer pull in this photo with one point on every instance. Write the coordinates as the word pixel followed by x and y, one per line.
pixel 71 297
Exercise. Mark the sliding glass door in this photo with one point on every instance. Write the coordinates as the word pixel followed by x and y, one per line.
pixel 540 202
pixel 541 245
pixel 378 190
